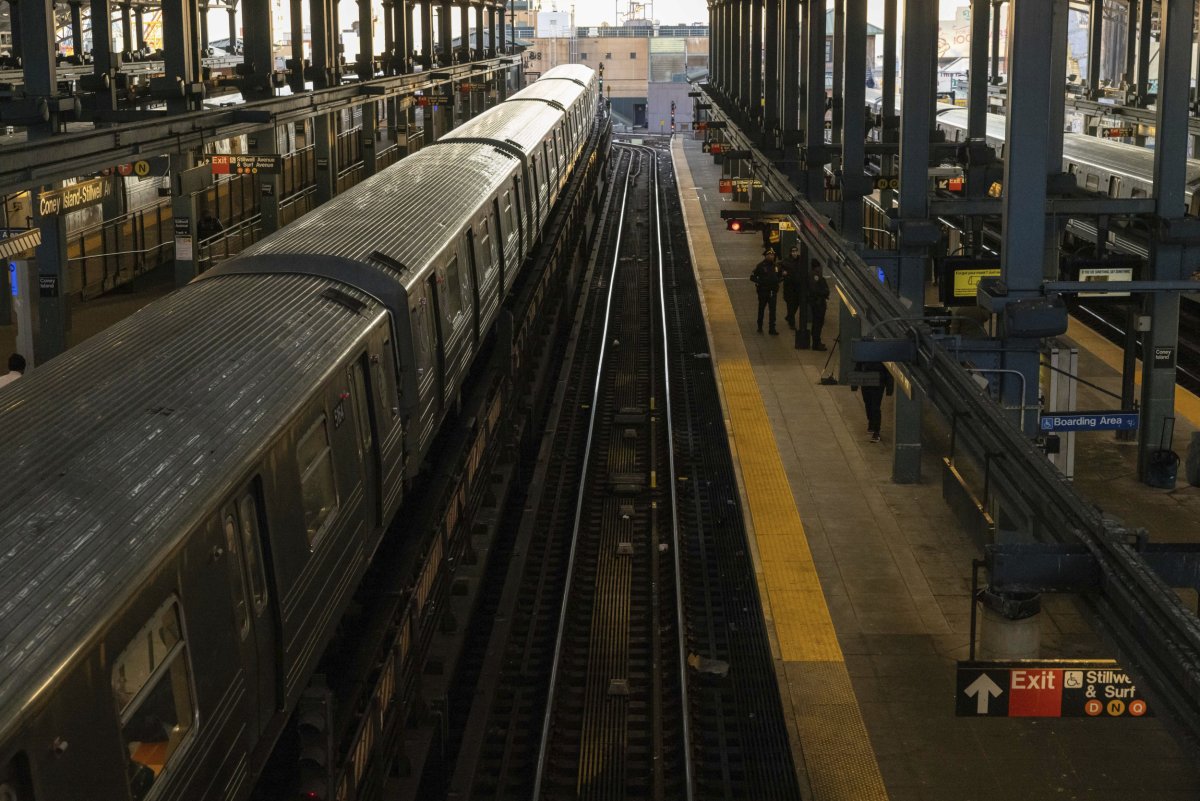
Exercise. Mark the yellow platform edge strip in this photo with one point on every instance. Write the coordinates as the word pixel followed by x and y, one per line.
pixel 839 760
pixel 1187 405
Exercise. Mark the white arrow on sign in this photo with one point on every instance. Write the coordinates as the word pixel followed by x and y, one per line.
pixel 983 688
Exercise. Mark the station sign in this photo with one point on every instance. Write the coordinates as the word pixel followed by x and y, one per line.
pixel 714 147
pixel 1059 688
pixel 1102 274
pixel 728 185
pixel 960 276
pixel 436 100
pixel 246 165
pixel 466 88
pixel 1090 421
pixel 700 126
pixel 73 197
pixel 1117 133
pixel 953 184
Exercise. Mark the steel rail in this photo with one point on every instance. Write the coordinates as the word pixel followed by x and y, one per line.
pixel 1156 638
pixel 543 746
pixel 676 542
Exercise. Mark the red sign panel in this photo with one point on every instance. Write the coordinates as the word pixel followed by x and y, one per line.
pixel 1047 689
pixel 725 185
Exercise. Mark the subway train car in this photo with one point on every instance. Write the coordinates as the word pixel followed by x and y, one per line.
pixel 1117 169
pixel 191 497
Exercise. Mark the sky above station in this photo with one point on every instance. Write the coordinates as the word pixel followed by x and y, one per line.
pixel 673 12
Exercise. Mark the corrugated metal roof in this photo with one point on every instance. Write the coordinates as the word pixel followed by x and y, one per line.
pixel 403 212
pixel 115 449
pixel 525 124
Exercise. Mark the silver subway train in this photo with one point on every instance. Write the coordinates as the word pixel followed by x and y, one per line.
pixel 190 498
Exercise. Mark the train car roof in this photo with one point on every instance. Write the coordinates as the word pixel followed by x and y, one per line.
pixel 524 125
pixel 115 450
pixel 408 212
pixel 1129 161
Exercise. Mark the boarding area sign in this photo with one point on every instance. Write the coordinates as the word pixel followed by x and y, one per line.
pixel 1058 688
pixel 1090 421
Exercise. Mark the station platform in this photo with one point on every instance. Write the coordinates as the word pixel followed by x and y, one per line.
pixel 866 584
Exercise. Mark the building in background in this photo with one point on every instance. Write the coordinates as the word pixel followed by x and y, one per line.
pixel 646 66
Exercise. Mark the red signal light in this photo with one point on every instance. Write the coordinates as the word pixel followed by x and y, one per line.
pixel 735 225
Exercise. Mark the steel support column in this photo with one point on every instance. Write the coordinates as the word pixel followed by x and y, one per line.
pixel 366 71
pixel 127 29
pixel 264 142
pixel 814 110
pixel 103 61
pixel 978 71
pixel 323 38
pixel 837 100
pixel 1131 28
pixel 1055 121
pixel 789 103
pixel 745 66
pixel 1160 345
pixel 920 59
pixel 427 54
pixel 1031 78
pixel 773 82
pixel 139 19
pixel 1095 38
pixel 231 22
pixel 714 44
pixel 14 26
pixel 325 154
pixel 997 20
pixel 491 31
pixel 259 55
pixel 445 44
pixel 296 77
pixel 756 67
pixel 854 122
pixel 1145 17
pixel 37 29
pixel 890 122
pixel 480 50
pixel 181 50
pixel 77 31
pixel 184 219
pixel 204 8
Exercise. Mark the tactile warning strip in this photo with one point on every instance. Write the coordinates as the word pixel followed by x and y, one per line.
pixel 834 750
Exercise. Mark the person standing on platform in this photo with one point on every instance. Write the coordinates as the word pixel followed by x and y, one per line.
pixel 16 369
pixel 795 292
pixel 872 394
pixel 766 277
pixel 818 300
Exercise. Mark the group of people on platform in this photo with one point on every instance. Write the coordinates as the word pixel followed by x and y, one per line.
pixel 805 294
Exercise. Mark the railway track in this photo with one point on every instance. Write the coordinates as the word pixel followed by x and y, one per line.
pixel 628 658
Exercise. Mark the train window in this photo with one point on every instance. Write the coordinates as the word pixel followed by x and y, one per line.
pixel 362 417
pixel 422 327
pixel 317 486
pixel 153 691
pixel 387 387
pixel 1093 182
pixel 1135 192
pixel 490 244
pixel 510 223
pixel 252 547
pixel 237 579
pixel 454 289
pixel 1114 186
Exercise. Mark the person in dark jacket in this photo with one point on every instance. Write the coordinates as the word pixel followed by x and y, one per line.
pixel 872 394
pixel 818 299
pixel 766 277
pixel 795 292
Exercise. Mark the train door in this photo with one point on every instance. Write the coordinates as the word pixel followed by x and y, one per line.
pixel 498 247
pixel 440 331
pixel 368 436
pixel 244 531
pixel 475 271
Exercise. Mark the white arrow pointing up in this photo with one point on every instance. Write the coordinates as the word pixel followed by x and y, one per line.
pixel 983 688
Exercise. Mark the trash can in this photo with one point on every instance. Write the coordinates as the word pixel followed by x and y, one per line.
pixel 1162 469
